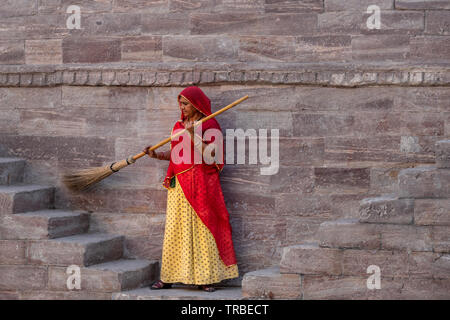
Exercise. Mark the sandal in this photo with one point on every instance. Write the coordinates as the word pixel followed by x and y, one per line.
pixel 160 285
pixel 207 288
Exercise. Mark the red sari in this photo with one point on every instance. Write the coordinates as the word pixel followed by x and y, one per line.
pixel 202 188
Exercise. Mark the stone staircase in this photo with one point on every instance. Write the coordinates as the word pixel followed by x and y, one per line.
pixel 407 235
pixel 38 243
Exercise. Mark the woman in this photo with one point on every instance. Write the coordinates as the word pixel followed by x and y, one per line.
pixel 197 247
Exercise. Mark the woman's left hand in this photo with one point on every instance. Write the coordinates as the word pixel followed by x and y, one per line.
pixel 190 127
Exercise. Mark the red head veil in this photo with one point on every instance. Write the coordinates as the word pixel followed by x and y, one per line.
pixel 198 99
pixel 203 104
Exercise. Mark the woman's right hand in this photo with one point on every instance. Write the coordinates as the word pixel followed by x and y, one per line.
pixel 151 153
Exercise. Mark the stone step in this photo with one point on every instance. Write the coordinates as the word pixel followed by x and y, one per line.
pixel 442 152
pixel 356 288
pixel 11 170
pixel 112 276
pixel 271 284
pixel 43 224
pixel 386 209
pixel 424 182
pixel 81 250
pixel 349 233
pixel 310 259
pixel 23 198
pixel 180 292
pixel 432 212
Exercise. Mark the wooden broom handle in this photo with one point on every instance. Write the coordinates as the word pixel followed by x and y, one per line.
pixel 163 142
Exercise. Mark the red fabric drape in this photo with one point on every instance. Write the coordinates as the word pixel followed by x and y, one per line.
pixel 202 186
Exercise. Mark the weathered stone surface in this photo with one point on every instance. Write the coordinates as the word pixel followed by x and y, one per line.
pixel 11 171
pixel 9 295
pixel 391 263
pixel 60 148
pixel 43 224
pixel 179 293
pixel 442 153
pixel 165 24
pixel 441 239
pixel 428 265
pixel 104 97
pixel 387 210
pixel 249 202
pixel 147 48
pixel 349 288
pixel 17 8
pixel 253 24
pixel 341 180
pixel 199 48
pixel 441 266
pixel 263 228
pixel 23 198
pixel 348 233
pixel 340 22
pixel 395 22
pixel 430 48
pixel 22 277
pixel 319 125
pixel 82 250
pixel 280 6
pixel 95 122
pixel 270 284
pixel 111 276
pixel 94 50
pixel 12 52
pixel 432 289
pixel 109 24
pixel 33 27
pixel 437 22
pixel 424 182
pixel 266 48
pixel 357 5
pixel 303 151
pixel 63 295
pixel 422 4
pixel 60 6
pixel 374 47
pixel 116 196
pixel 406 237
pixel 8 120
pixel 154 6
pixel 321 48
pixel 311 259
pixel 432 212
pixel 43 51
pixel 12 251
pixel 29 98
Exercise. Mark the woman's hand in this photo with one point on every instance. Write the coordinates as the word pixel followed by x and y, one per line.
pixel 151 153
pixel 190 127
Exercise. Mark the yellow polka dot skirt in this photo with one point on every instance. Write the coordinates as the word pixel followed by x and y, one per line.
pixel 190 253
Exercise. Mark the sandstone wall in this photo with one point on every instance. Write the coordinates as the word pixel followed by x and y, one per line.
pixel 353 105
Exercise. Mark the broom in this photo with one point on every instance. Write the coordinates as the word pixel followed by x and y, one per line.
pixel 83 179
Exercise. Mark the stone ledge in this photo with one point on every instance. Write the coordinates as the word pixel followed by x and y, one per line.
pixel 183 74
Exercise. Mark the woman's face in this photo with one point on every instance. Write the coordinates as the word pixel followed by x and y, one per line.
pixel 187 108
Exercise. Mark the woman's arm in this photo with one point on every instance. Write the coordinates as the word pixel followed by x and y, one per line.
pixel 163 155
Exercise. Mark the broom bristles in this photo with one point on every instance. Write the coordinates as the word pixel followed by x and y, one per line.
pixel 83 179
